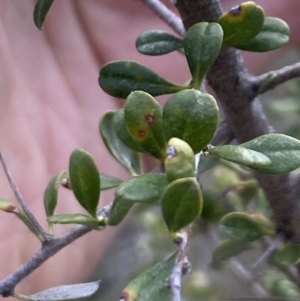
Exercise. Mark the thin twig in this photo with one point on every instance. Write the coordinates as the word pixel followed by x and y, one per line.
pixel 270 250
pixel 182 264
pixel 50 248
pixel 165 14
pixel 242 273
pixel 22 201
pixel 272 79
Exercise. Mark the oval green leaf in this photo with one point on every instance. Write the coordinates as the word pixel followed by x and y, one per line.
pixel 241 155
pixel 151 284
pixel 283 151
pixel 51 193
pixel 180 160
pixel 287 254
pixel 242 23
pixel 108 182
pixel 202 44
pixel 181 203
pixel 119 210
pixel 120 78
pixel 76 218
pixel 273 35
pixel 122 131
pixel 227 249
pixel 146 188
pixel 240 226
pixel 143 118
pixel 157 42
pixel 85 180
pixel 40 12
pixel 121 152
pixel 191 116
pixel 66 292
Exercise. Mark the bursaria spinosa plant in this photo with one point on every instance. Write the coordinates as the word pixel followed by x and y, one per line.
pixel 187 136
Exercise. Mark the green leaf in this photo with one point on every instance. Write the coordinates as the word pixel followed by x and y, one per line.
pixel 157 42
pixel 273 35
pixel 51 193
pixel 285 288
pixel 143 118
pixel 40 12
pixel 85 180
pixel 66 292
pixel 119 210
pixel 181 203
pixel 214 207
pixel 227 249
pixel 202 44
pixel 240 226
pixel 241 155
pixel 122 131
pixel 120 78
pixel 7 206
pixel 151 284
pixel 191 116
pixel 126 156
pixel 207 163
pixel 288 254
pixel 108 181
pixel 242 23
pixel 180 161
pixel 76 218
pixel 283 151
pixel 146 188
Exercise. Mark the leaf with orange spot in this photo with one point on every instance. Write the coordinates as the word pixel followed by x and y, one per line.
pixel 143 118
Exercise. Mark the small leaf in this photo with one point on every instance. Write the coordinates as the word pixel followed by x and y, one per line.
pixel 66 292
pixel 122 131
pixel 7 206
pixel 240 226
pixel 181 203
pixel 85 180
pixel 227 249
pixel 191 116
pixel 40 12
pixel 143 118
pixel 157 42
pixel 241 155
pixel 76 218
pixel 242 23
pixel 283 151
pixel 151 284
pixel 202 45
pixel 120 78
pixel 126 156
pixel 51 193
pixel 108 181
pixel 180 161
pixel 288 254
pixel 273 35
pixel 146 188
pixel 119 210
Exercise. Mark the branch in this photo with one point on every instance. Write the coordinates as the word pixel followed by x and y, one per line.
pixel 166 15
pixel 182 264
pixel 42 235
pixel 52 246
pixel 243 111
pixel 272 79
pixel 48 249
